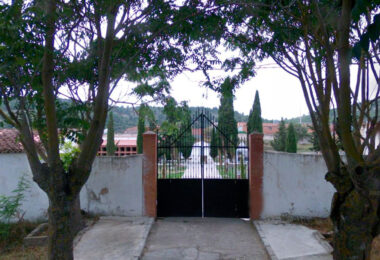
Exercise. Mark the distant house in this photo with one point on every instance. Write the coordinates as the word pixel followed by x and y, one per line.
pixel 269 129
pixel 131 130
pixel 126 145
pixel 197 132
pixel 10 141
pixel 242 127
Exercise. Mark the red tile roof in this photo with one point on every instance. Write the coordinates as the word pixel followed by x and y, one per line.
pixel 270 128
pixel 196 131
pixel 242 126
pixel 131 130
pixel 9 141
pixel 122 142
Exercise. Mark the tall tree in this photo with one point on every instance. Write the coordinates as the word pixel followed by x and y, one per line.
pixel 312 40
pixel 226 120
pixel 279 139
pixel 214 145
pixel 301 132
pixel 111 147
pixel 140 129
pixel 313 138
pixel 51 49
pixel 186 138
pixel 291 141
pixel 255 122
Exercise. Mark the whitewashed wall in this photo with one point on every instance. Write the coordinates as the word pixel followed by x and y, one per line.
pixel 294 184
pixel 114 187
pixel 12 167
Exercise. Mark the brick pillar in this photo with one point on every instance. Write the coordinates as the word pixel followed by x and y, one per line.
pixel 256 171
pixel 149 173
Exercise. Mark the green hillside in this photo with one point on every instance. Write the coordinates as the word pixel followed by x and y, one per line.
pixel 125 117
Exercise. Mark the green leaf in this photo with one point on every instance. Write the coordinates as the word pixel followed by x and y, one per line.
pixel 356 51
pixel 364 42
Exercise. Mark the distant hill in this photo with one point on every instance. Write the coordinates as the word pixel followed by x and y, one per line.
pixel 125 117
pixel 306 119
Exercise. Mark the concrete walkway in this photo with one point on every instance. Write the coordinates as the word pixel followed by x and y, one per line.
pixel 203 239
pixel 285 241
pixel 114 238
pixel 194 171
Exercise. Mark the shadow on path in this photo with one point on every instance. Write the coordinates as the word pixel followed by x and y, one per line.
pixel 203 239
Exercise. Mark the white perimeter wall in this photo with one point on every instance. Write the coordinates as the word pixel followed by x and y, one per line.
pixel 113 188
pixel 294 184
pixel 12 167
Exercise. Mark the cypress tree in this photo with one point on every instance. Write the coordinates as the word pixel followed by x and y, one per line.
pixel 187 139
pixel 279 140
pixel 226 119
pixel 213 145
pixel 111 147
pixel 313 138
pixel 255 122
pixel 291 142
pixel 140 130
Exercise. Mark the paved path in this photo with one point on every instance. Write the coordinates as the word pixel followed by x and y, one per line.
pixel 194 171
pixel 114 238
pixel 203 239
pixel 290 241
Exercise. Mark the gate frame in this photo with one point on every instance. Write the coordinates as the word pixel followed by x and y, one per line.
pixel 256 172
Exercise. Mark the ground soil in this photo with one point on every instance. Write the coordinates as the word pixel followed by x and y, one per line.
pixel 11 246
pixel 324 226
pixel 27 253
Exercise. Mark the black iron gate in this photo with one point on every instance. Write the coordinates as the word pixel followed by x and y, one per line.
pixel 203 171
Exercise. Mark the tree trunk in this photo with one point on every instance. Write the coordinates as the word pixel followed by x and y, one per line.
pixel 354 218
pixel 63 225
pixel 78 221
pixel 353 225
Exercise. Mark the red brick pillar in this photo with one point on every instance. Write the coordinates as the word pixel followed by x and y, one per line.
pixel 256 171
pixel 149 173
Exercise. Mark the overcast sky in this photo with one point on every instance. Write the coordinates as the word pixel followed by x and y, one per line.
pixel 280 93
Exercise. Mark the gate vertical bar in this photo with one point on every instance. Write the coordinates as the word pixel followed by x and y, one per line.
pixel 202 162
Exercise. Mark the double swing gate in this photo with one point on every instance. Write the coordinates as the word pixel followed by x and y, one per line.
pixel 202 171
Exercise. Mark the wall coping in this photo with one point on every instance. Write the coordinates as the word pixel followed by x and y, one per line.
pixel 119 157
pixel 149 133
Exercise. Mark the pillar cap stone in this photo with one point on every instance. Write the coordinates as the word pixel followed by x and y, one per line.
pixel 149 133
pixel 256 133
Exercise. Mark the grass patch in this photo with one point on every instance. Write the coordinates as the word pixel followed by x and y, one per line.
pixel 301 148
pixel 11 244
pixel 228 173
pixel 323 225
pixel 304 148
pixel 172 172
pixel 231 172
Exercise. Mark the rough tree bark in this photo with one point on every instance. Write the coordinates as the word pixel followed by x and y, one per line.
pixel 354 212
pixel 63 186
pixel 356 176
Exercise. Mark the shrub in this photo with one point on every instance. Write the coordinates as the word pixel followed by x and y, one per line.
pixel 10 206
